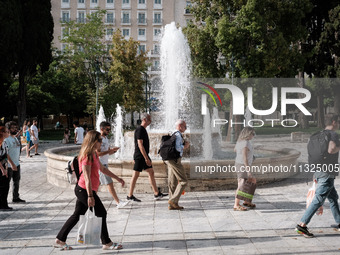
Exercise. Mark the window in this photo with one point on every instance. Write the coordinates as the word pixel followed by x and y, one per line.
pixel 81 17
pixel 141 32
pixel 157 18
pixel 109 33
pixel 141 1
pixel 126 1
pixel 126 17
pixel 66 1
pixel 110 4
pixel 94 1
pixel 141 18
pixel 109 1
pixel 81 1
pixel 64 32
pixel 126 32
pixel 156 49
pixel 156 32
pixel 158 1
pixel 141 48
pixel 65 16
pixel 109 17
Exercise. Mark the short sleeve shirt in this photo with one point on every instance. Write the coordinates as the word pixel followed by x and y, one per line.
pixel 141 134
pixel 95 166
pixel 80 134
pixel 104 147
pixel 34 129
pixel 3 155
pixel 13 149
pixel 239 155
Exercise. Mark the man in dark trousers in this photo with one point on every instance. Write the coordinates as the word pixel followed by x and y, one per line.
pixel 142 159
pixel 325 180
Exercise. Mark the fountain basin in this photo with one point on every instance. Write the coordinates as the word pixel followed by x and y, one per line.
pixel 57 174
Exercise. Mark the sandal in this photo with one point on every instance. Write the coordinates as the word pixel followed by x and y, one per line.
pixel 240 208
pixel 250 205
pixel 63 247
pixel 113 246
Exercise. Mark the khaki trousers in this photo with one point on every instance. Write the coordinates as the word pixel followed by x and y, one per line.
pixel 177 179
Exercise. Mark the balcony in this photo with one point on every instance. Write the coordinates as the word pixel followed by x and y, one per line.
pixel 158 21
pixel 126 21
pixel 64 20
pixel 142 21
pixel 110 22
pixel 81 20
pixel 155 68
pixel 155 52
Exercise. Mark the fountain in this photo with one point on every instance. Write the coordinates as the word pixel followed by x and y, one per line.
pixel 176 99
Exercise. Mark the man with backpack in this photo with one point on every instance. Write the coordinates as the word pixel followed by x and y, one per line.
pixel 177 179
pixel 142 159
pixel 326 167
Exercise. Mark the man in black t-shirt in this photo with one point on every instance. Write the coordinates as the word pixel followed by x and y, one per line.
pixel 142 159
pixel 324 177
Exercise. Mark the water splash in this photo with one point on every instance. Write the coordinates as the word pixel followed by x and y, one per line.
pixel 118 132
pixel 100 118
pixel 175 74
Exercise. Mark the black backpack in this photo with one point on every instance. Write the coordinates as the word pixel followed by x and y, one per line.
pixel 317 147
pixel 167 149
pixel 73 174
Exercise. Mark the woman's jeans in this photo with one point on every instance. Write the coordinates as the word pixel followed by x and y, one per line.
pixel 81 208
pixel 324 189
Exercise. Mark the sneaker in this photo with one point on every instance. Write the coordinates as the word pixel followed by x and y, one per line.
pixel 18 200
pixel 37 154
pixel 133 198
pixel 338 228
pixel 122 204
pixel 303 231
pixel 160 195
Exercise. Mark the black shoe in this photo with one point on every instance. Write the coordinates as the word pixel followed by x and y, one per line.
pixel 37 154
pixel 303 231
pixel 6 208
pixel 160 195
pixel 337 228
pixel 18 200
pixel 133 198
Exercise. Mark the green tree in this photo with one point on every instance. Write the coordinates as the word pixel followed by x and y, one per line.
pixel 26 33
pixel 127 72
pixel 86 45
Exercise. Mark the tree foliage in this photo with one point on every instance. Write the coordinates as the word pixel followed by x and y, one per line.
pixel 127 72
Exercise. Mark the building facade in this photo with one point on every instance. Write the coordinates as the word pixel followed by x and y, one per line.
pixel 140 19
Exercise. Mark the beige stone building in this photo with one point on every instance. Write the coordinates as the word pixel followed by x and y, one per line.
pixel 140 19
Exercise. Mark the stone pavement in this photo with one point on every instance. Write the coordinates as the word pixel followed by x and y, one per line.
pixel 208 225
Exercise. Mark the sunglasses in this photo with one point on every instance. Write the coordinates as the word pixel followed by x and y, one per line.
pixel 108 129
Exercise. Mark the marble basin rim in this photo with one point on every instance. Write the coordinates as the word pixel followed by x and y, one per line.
pixel 57 173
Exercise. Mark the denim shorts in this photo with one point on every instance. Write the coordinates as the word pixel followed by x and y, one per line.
pixel 104 179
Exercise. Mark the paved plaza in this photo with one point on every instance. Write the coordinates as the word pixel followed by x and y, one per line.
pixel 208 225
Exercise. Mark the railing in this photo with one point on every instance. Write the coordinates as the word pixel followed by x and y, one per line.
pixel 142 21
pixel 126 21
pixel 157 21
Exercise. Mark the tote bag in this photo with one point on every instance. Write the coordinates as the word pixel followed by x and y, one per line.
pixel 310 196
pixel 246 191
pixel 89 228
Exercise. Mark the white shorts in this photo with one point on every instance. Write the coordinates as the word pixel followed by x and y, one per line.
pixel 104 179
pixel 35 141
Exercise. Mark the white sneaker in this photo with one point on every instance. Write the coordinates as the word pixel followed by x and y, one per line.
pixel 122 204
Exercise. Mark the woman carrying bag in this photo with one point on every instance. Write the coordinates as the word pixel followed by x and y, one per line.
pixel 244 159
pixel 86 192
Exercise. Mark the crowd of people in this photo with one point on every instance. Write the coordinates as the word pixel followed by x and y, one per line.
pixel 93 164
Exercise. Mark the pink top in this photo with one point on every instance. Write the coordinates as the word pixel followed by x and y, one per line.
pixel 95 166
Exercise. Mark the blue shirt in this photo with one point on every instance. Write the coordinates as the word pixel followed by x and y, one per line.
pixel 179 143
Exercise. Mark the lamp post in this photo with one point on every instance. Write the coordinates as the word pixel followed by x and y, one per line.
pixel 146 91
pixel 232 133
